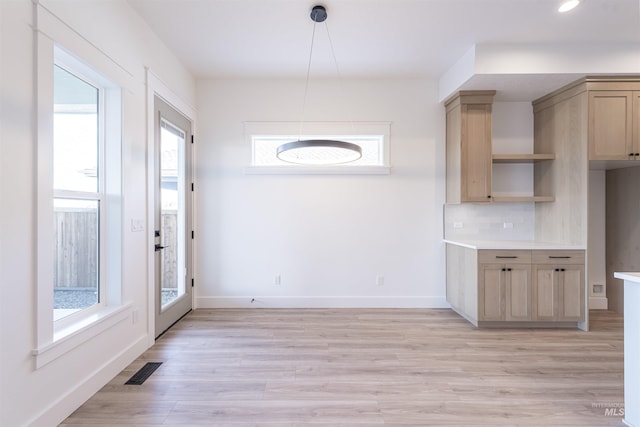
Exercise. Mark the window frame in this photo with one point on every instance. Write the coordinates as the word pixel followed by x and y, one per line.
pixel 79 70
pixel 53 44
pixel 325 129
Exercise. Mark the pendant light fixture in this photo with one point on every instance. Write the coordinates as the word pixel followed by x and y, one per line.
pixel 318 151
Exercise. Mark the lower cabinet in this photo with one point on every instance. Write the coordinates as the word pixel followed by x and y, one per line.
pixel 517 286
pixel 504 289
pixel 558 290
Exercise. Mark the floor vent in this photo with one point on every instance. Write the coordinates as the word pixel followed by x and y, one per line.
pixel 145 372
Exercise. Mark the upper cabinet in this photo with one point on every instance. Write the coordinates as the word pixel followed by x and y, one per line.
pixel 470 158
pixel 614 121
pixel 469 146
pixel 611 106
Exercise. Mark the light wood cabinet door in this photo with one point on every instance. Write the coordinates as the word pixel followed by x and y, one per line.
pixel 558 293
pixel 611 125
pixel 571 293
pixel 504 292
pixel 491 292
pixel 518 293
pixel 476 153
pixel 544 293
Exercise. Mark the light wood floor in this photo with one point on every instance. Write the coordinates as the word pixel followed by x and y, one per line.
pixel 367 368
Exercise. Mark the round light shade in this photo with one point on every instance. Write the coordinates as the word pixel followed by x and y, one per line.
pixel 319 152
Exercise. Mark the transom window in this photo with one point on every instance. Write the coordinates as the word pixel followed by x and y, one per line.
pixel 265 146
pixel 264 138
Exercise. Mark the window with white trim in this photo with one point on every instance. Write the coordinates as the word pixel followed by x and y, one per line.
pixel 79 201
pixel 264 148
pixel 264 138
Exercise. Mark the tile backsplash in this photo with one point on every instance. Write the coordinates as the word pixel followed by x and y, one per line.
pixel 493 221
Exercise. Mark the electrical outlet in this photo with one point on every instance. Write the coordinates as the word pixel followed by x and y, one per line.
pixel 457 225
pixel 277 280
pixel 508 225
pixel 380 280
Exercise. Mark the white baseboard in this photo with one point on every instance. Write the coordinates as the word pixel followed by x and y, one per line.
pixel 64 406
pixel 598 303
pixel 321 302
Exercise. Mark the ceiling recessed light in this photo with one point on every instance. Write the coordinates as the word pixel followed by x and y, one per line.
pixel 568 5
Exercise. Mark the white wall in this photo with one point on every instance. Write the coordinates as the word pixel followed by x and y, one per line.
pixel 44 396
pixel 327 236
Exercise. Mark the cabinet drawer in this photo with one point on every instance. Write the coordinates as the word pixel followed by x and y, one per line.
pixel 504 257
pixel 558 257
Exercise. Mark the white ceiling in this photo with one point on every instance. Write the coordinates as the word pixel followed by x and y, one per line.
pixel 372 38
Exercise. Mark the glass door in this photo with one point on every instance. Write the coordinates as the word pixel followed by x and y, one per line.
pixel 172 228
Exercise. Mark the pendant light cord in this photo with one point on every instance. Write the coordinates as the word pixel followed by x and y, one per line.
pixel 306 85
pixel 340 82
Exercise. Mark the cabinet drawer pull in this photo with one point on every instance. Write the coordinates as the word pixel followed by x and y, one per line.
pixel 507 257
pixel 559 257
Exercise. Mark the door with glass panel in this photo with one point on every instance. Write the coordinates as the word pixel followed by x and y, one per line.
pixel 172 228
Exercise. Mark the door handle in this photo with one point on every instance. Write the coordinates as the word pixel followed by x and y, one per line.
pixel 159 247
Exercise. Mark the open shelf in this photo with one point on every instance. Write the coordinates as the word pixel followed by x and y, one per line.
pixel 523 199
pixel 521 158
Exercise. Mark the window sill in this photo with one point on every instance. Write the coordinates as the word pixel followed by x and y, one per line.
pixel 317 170
pixel 80 332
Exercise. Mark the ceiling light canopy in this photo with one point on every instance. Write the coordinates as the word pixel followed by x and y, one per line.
pixel 318 151
pixel 568 5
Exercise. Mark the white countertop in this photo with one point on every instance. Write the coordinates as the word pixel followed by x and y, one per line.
pixel 513 245
pixel 631 277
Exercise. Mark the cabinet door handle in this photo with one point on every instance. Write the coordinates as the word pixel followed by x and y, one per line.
pixel 559 257
pixel 506 257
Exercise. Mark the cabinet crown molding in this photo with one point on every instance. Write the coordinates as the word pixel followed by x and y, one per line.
pixel 630 82
pixel 470 97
